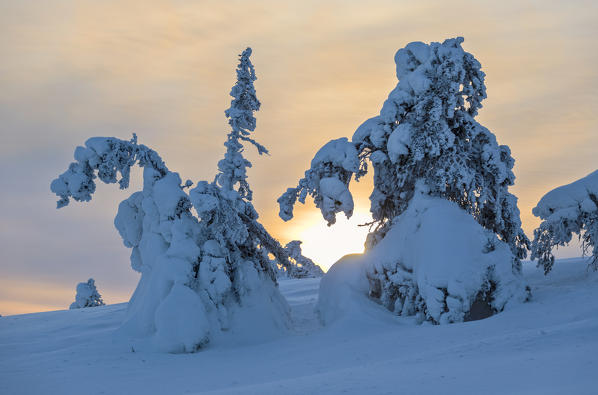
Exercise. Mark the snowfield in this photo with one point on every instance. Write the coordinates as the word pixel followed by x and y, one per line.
pixel 546 346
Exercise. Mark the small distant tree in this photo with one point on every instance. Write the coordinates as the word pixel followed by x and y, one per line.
pixel 87 296
pixel 567 210
pixel 303 267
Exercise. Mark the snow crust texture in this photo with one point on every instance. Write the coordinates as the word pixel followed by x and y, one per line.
pixel 567 210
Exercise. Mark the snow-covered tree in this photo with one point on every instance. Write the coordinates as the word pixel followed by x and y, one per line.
pixel 233 168
pixel 425 140
pixel 200 275
pixel 87 296
pixel 303 267
pixel 566 210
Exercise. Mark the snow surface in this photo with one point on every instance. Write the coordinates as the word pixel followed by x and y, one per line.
pixel 546 346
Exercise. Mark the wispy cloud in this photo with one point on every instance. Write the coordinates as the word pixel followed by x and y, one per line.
pixel 163 69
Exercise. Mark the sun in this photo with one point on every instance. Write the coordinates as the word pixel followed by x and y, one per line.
pixel 327 244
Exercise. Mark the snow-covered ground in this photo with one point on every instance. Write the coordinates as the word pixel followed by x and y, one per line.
pixel 547 346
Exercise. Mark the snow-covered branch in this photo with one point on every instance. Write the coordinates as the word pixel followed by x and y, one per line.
pixel 567 210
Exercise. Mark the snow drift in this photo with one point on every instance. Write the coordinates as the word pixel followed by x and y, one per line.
pixel 436 263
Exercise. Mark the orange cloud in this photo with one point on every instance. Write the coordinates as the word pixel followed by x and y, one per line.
pixel 163 69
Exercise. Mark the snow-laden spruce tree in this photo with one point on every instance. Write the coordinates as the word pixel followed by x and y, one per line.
pixel 303 267
pixel 87 296
pixel 426 144
pixel 200 276
pixel 566 210
pixel 233 168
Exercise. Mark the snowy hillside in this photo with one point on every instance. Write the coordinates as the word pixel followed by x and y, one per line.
pixel 546 346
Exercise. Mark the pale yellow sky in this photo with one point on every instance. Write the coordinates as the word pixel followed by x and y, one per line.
pixel 163 69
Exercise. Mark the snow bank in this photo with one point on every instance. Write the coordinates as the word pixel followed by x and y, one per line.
pixel 436 262
pixel 343 290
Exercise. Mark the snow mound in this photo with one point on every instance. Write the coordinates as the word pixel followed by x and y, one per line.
pixel 343 291
pixel 436 262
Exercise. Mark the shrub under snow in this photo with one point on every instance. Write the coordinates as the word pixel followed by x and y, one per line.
pixel 87 296
pixel 466 275
pixel 425 139
pixel 568 209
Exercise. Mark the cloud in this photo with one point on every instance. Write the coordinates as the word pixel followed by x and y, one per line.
pixel 163 69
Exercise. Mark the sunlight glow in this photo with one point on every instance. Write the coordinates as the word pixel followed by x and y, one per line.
pixel 327 244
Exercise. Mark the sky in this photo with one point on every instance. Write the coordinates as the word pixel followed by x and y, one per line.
pixel 71 70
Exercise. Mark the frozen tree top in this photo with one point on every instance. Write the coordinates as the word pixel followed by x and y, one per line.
pixel 233 167
pixel 245 102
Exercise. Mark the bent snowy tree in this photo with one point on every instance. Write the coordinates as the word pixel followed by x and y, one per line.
pixel 200 275
pixel 567 210
pixel 427 144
